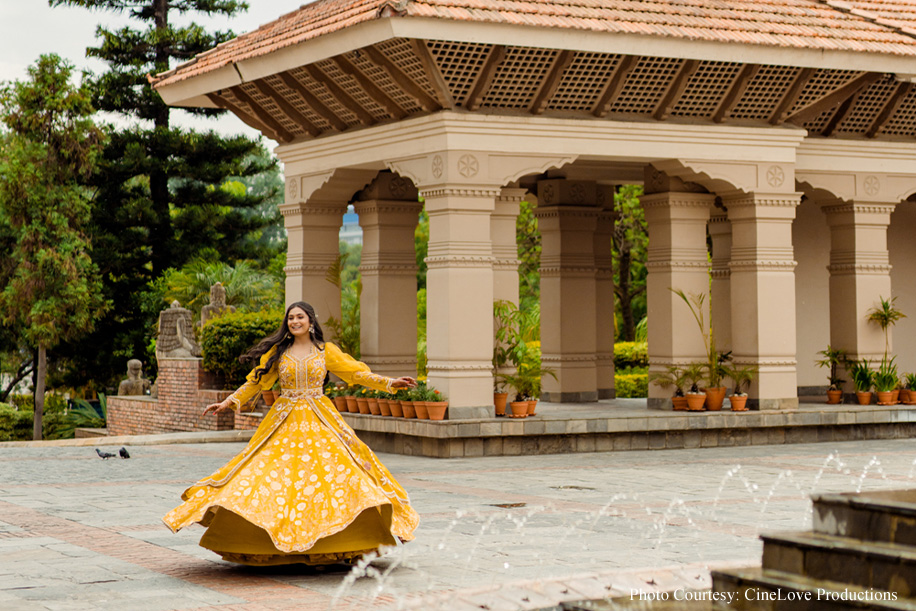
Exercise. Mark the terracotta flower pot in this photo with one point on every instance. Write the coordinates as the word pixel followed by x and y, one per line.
pixel 739 402
pixel 408 409
pixel 696 401
pixel 384 407
pixel 679 403
pixel 864 398
pixel 886 397
pixel 396 410
pixel 499 402
pixel 895 396
pixel 352 406
pixel 519 409
pixel 363 405
pixel 910 397
pixel 374 408
pixel 436 409
pixel 420 407
pixel 269 397
pixel 340 403
pixel 834 397
pixel 715 397
pixel 532 405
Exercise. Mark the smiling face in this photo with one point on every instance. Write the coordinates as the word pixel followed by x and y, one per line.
pixel 298 322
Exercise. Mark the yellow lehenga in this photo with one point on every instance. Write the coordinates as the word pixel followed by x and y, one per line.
pixel 305 489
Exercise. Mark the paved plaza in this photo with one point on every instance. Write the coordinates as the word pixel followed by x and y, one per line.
pixel 79 532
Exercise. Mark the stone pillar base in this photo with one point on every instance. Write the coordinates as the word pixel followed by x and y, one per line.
pixel 773 404
pixel 468 413
pixel 570 396
pixel 607 393
pixel 659 404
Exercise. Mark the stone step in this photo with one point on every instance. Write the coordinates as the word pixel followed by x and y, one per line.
pixel 887 515
pixel 884 566
pixel 759 590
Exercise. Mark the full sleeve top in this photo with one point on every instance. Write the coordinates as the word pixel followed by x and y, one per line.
pixel 306 376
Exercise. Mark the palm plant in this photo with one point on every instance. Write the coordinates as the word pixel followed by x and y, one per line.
pixel 833 358
pixel 714 359
pixel 886 315
pixel 742 376
pixel 693 374
pixel 885 379
pixel 246 286
pixel 863 378
pixel 673 376
pixel 909 380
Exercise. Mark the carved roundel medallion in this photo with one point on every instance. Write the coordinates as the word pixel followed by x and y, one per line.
pixel 776 176
pixel 399 187
pixel 546 194
pixel 438 166
pixel 872 185
pixel 577 194
pixel 468 166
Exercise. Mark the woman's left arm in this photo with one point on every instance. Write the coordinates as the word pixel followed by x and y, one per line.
pixel 352 371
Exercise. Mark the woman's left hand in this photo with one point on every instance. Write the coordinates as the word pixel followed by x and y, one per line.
pixel 404 382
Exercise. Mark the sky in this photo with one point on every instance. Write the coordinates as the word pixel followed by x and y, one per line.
pixel 29 28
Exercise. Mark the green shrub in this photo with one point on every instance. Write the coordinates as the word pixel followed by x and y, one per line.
pixel 16 425
pixel 631 385
pixel 631 354
pixel 225 339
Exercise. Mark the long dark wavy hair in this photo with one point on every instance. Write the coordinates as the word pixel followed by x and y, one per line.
pixel 282 339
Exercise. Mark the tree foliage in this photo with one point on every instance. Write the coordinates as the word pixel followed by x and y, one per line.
pixel 51 291
pixel 629 249
pixel 164 196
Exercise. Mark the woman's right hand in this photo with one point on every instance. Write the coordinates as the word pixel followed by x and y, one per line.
pixel 215 408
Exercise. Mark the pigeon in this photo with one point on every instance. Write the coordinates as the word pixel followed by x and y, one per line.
pixel 104 454
pixel 123 453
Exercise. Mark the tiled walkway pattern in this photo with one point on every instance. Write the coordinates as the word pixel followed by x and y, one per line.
pixel 78 532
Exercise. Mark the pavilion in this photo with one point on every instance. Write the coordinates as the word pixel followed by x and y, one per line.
pixel 780 132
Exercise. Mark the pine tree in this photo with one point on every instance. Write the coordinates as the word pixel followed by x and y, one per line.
pixel 162 196
pixel 51 289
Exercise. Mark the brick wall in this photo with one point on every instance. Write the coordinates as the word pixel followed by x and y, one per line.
pixel 185 389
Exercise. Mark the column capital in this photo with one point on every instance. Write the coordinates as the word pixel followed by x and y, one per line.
pixel 472 169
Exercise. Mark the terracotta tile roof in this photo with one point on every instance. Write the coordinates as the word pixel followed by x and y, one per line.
pixel 870 26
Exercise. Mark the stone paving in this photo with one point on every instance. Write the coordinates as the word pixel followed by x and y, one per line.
pixel 78 532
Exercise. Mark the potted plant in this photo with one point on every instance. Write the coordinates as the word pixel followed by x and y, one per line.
pixel 909 397
pixel 334 392
pixel 418 397
pixel 885 381
pixel 384 403
pixel 372 399
pixel 714 364
pixel 349 394
pixel 863 378
pixel 436 404
pixel 696 398
pixel 406 401
pixel 394 404
pixel 672 377
pixel 742 377
pixel 833 359
pixel 505 320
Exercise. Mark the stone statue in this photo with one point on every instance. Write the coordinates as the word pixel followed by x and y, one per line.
pixel 176 334
pixel 217 305
pixel 135 384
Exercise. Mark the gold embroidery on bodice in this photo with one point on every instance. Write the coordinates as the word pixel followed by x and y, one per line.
pixel 305 374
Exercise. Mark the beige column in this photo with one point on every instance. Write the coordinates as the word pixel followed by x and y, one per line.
pixel 461 188
pixel 763 293
pixel 313 230
pixel 676 259
pixel 459 297
pixel 388 210
pixel 720 235
pixel 859 274
pixel 505 246
pixel 604 293
pixel 567 218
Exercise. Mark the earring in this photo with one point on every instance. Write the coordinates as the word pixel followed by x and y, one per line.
pixel 288 335
pixel 311 329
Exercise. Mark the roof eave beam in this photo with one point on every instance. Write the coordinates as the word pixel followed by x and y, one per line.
pixel 676 89
pixel 411 88
pixel 819 106
pixel 791 95
pixel 380 97
pixel 485 77
pixel 735 91
pixel 614 85
pixel 292 83
pixel 551 82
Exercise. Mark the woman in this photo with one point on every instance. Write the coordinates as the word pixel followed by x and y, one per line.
pixel 305 489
